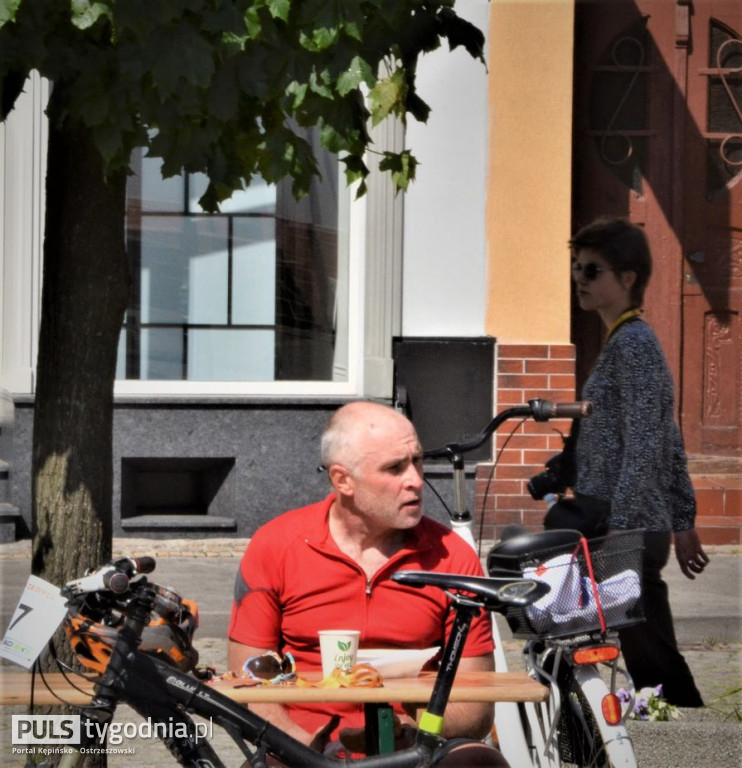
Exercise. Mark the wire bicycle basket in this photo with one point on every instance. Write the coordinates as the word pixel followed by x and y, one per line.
pixel 595 586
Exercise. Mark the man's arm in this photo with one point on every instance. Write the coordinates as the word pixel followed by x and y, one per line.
pixel 276 714
pixel 470 720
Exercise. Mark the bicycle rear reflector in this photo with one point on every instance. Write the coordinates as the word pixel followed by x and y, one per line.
pixel 596 654
pixel 611 706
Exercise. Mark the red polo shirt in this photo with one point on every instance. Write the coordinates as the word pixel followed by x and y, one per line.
pixel 294 580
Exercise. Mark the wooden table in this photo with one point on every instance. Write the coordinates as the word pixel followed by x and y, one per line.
pixel 15 689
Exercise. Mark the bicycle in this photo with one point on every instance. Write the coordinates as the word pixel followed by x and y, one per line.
pixel 149 668
pixel 582 723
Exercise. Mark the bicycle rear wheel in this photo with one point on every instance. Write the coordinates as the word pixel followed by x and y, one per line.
pixel 585 739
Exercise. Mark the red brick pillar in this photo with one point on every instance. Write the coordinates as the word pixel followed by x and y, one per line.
pixel 523 372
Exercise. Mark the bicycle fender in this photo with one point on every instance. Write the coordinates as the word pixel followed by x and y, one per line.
pixel 618 744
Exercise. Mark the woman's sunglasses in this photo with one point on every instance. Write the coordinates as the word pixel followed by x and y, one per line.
pixel 589 271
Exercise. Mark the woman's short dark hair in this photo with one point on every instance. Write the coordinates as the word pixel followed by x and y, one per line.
pixel 623 245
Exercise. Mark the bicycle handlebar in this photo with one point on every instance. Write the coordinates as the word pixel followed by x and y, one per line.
pixel 113 577
pixel 549 410
pixel 538 409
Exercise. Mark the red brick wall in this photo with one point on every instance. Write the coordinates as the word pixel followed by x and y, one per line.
pixel 523 372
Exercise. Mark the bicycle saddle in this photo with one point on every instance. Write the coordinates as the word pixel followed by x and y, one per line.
pixel 491 591
pixel 506 556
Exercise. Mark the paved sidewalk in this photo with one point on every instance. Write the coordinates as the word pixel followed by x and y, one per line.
pixel 707 613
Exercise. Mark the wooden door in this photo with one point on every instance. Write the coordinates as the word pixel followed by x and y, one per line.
pixel 658 138
pixel 711 405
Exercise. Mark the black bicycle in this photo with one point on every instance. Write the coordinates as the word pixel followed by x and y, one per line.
pixel 139 636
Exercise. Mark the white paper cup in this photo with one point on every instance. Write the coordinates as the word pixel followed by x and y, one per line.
pixel 339 648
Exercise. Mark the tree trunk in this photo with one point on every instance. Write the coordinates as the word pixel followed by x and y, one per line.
pixel 85 294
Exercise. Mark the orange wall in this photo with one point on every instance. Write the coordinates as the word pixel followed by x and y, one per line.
pixel 529 170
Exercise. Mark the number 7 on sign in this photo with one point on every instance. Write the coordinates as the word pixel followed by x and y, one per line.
pixel 21 611
pixel 40 611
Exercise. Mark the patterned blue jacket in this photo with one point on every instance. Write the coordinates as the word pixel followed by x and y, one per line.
pixel 630 450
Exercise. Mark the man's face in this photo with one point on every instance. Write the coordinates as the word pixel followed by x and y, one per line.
pixel 387 476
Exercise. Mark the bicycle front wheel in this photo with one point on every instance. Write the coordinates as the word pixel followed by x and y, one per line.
pixel 586 740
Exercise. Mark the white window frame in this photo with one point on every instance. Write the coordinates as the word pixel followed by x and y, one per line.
pixel 373 241
pixel 351 214
pixel 23 142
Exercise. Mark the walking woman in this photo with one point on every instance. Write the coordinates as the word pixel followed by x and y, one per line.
pixel 630 451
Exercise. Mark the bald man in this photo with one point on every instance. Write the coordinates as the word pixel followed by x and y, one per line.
pixel 329 565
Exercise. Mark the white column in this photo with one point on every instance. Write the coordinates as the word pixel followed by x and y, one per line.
pixel 383 268
pixel 23 142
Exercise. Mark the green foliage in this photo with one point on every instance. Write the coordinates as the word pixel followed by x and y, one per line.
pixel 215 86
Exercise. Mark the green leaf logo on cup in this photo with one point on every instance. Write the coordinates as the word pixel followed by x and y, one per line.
pixel 339 649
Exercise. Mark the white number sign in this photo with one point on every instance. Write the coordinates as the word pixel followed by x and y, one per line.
pixel 40 611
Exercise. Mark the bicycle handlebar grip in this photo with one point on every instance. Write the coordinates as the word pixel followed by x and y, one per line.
pixel 579 410
pixel 132 566
pixel 543 410
pixel 116 581
pixel 145 564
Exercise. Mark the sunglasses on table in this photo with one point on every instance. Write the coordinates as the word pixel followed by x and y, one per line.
pixel 589 271
pixel 271 667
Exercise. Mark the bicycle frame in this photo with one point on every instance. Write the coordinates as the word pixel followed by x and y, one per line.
pixel 157 691
pixel 527 732
pixel 165 695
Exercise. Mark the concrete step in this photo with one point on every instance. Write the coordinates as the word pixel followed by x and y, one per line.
pixel 719 529
pixel 171 525
pixel 717 481
pixel 718 495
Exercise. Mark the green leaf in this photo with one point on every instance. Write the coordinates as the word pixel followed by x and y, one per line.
pixel 86 13
pixel 344 646
pixel 108 140
pixel 297 92
pixel 319 84
pixel 359 71
pixel 319 39
pixel 402 166
pixel 280 9
pixel 388 96
pixel 209 201
pixel 8 9
pixel 355 168
pixel 252 21
pixel 362 189
pixel 417 107
pixel 183 53
pixel 224 94
pixel 462 32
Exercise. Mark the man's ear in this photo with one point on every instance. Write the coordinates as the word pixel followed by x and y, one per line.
pixel 341 479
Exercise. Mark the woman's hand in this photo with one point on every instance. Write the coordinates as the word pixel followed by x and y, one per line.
pixel 690 553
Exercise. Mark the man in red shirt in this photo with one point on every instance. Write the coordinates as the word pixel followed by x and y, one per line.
pixel 329 566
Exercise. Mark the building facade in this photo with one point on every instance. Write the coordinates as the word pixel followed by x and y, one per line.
pixel 248 328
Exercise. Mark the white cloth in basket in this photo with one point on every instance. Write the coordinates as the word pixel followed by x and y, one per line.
pixel 562 574
pixel 619 592
pixel 571 599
